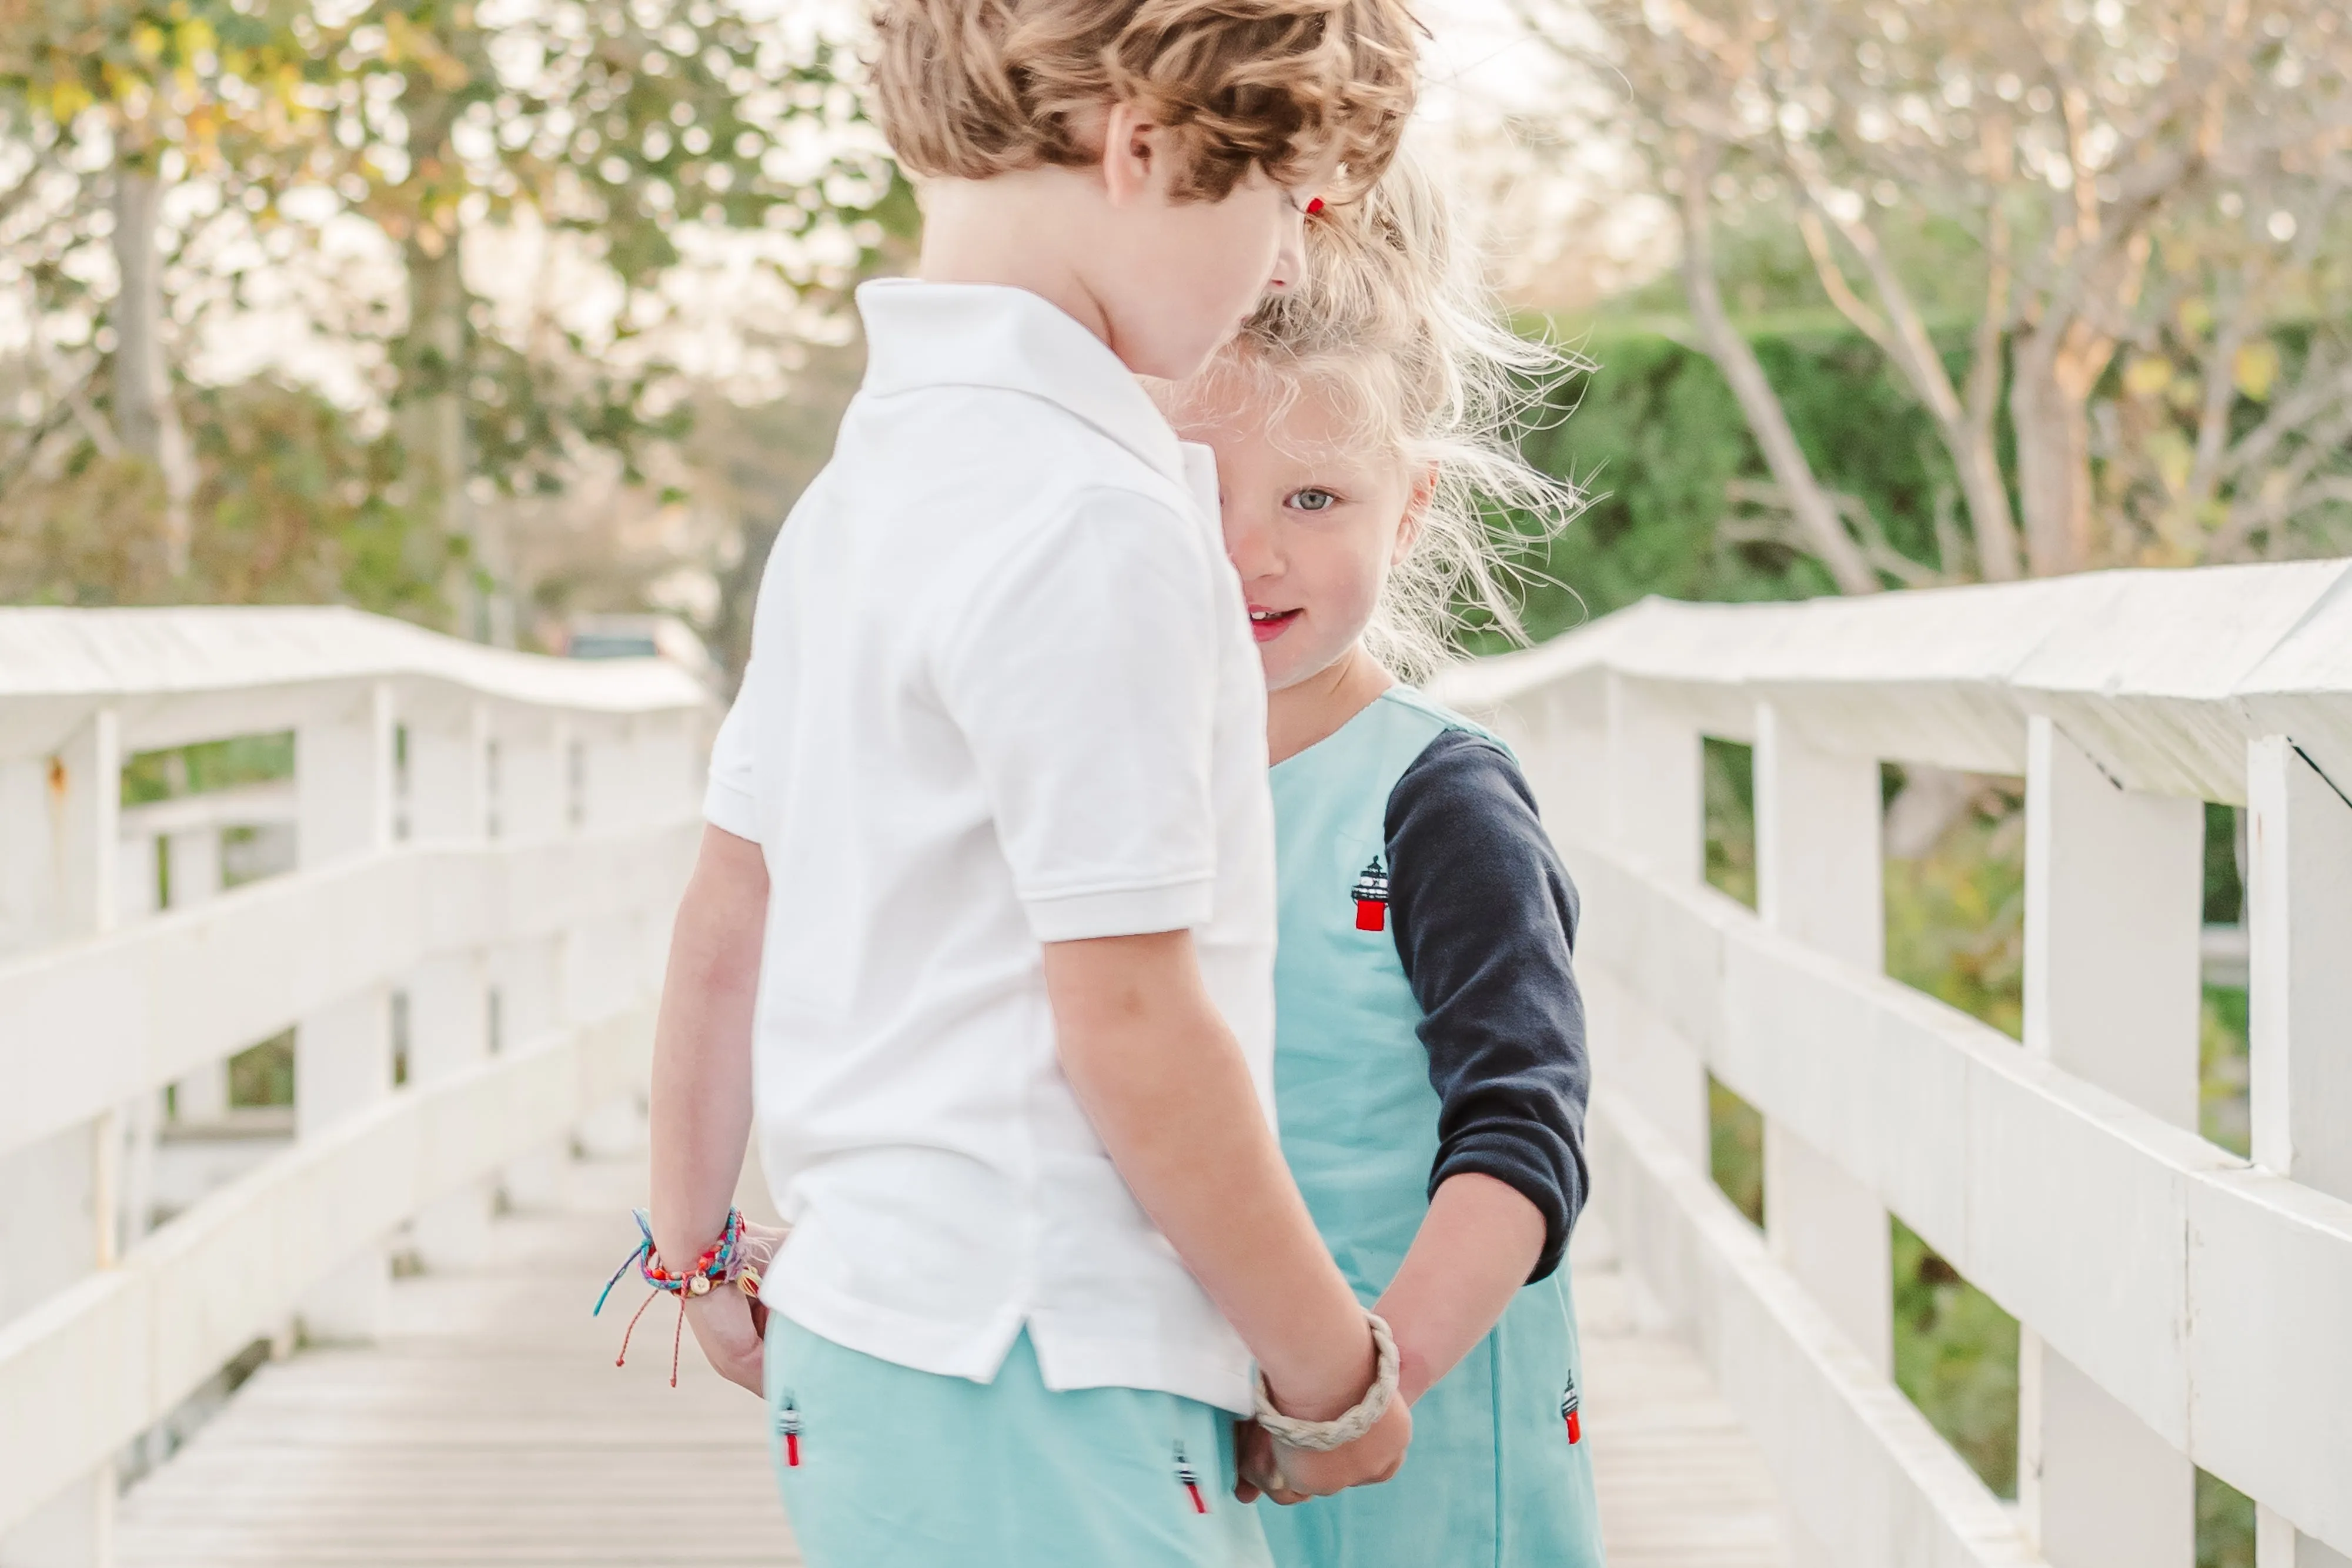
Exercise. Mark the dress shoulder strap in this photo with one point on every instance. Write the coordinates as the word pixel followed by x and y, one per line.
pixel 1443 717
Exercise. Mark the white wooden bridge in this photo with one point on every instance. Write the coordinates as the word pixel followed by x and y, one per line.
pixel 455 899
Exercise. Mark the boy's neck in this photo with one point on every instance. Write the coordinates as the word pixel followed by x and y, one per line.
pixel 1314 709
pixel 1022 230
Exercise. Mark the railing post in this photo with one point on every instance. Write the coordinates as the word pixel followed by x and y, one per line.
pixel 1818 858
pixel 1658 815
pixel 535 806
pixel 2113 879
pixel 195 852
pixel 342 1063
pixel 449 803
pixel 59 1220
pixel 2299 914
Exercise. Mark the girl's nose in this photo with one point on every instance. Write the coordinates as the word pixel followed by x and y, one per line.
pixel 1249 545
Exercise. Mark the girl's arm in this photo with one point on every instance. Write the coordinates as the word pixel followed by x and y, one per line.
pixel 703 1081
pixel 1485 924
pixel 1473 1252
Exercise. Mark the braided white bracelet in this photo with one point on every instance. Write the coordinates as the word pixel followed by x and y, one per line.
pixel 1322 1436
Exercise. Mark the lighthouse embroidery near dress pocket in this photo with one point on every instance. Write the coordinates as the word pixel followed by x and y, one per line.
pixel 788 1428
pixel 1371 895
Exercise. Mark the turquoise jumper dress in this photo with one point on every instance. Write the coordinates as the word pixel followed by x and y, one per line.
pixel 1499 1475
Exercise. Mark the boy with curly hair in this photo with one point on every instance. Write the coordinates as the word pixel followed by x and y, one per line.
pixel 983 918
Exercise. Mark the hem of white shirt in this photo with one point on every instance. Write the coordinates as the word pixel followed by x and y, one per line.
pixel 731 810
pixel 1065 1361
pixel 1121 912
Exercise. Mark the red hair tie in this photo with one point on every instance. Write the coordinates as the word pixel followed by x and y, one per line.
pixel 1314 206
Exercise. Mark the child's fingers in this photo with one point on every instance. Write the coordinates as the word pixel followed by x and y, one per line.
pixel 1255 1474
pixel 721 1322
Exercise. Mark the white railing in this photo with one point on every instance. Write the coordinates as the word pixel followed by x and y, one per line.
pixel 475 858
pixel 2179 1306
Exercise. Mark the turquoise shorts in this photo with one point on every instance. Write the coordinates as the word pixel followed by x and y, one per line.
pixel 885 1467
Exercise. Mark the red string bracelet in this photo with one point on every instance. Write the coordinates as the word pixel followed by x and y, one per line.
pixel 714 1267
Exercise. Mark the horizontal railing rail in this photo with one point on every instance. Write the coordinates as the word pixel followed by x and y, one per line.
pixel 148 1005
pixel 85 1373
pixel 427 899
pixel 2179 1306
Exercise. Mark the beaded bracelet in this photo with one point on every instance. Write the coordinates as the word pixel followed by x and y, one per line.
pixel 719 1263
pixel 1322 1436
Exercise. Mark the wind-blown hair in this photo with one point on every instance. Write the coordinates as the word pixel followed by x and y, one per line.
pixel 1395 326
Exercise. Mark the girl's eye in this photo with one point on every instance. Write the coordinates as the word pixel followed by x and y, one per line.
pixel 1313 500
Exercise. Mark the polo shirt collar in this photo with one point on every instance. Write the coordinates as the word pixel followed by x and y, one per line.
pixel 922 334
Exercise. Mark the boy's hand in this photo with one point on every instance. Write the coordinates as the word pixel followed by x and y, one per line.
pixel 1287 1475
pixel 730 1339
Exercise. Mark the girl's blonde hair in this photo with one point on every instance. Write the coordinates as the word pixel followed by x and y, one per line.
pixel 1395 326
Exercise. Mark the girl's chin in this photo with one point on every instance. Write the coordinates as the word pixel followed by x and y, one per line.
pixel 1284 672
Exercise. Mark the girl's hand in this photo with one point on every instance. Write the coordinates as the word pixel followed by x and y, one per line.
pixel 730 1339
pixel 1288 1475
pixel 1254 1472
pixel 1370 1460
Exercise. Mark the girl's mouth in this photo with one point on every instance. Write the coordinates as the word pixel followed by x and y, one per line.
pixel 1266 624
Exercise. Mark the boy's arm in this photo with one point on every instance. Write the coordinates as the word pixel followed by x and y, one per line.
pixel 703 1081
pixel 1161 1078
pixel 1473 1253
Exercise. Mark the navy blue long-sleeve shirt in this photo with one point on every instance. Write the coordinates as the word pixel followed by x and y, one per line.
pixel 1485 919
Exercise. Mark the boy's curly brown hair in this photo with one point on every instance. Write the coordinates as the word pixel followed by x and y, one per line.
pixel 973 88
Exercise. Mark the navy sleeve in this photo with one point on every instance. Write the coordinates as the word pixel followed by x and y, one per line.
pixel 1484 918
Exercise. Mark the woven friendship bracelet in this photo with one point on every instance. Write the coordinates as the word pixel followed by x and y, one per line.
pixel 1322 1436
pixel 719 1262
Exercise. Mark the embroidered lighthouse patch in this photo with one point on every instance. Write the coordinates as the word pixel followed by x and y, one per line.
pixel 1190 1479
pixel 788 1427
pixel 1569 1405
pixel 1371 895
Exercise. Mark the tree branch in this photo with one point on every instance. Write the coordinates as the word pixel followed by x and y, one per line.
pixel 1828 541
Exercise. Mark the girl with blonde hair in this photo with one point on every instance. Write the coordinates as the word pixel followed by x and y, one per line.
pixel 1430 1062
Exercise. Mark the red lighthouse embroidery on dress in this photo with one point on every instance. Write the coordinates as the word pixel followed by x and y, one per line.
pixel 1371 895
pixel 1190 1480
pixel 788 1427
pixel 1568 1407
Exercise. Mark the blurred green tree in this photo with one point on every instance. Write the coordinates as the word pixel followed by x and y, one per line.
pixel 151 92
pixel 2158 187
pixel 629 135
pixel 606 163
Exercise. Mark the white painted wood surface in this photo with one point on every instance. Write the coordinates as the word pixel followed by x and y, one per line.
pixel 2180 1304
pixel 486 1427
pixel 518 929
pixel 2113 894
pixel 1819 880
pixel 508 881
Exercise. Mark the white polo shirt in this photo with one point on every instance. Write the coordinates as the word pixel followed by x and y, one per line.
pixel 1002 693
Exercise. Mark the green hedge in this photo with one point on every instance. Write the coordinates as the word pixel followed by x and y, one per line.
pixel 1653 434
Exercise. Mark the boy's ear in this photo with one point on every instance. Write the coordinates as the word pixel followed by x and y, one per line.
pixel 1131 154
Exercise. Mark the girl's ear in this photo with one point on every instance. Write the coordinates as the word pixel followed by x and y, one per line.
pixel 1129 146
pixel 1416 507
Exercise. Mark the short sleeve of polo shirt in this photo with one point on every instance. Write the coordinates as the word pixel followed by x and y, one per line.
pixel 730 800
pixel 1083 674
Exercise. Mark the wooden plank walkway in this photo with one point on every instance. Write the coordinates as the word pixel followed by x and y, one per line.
pixel 1681 1483
pixel 488 1429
